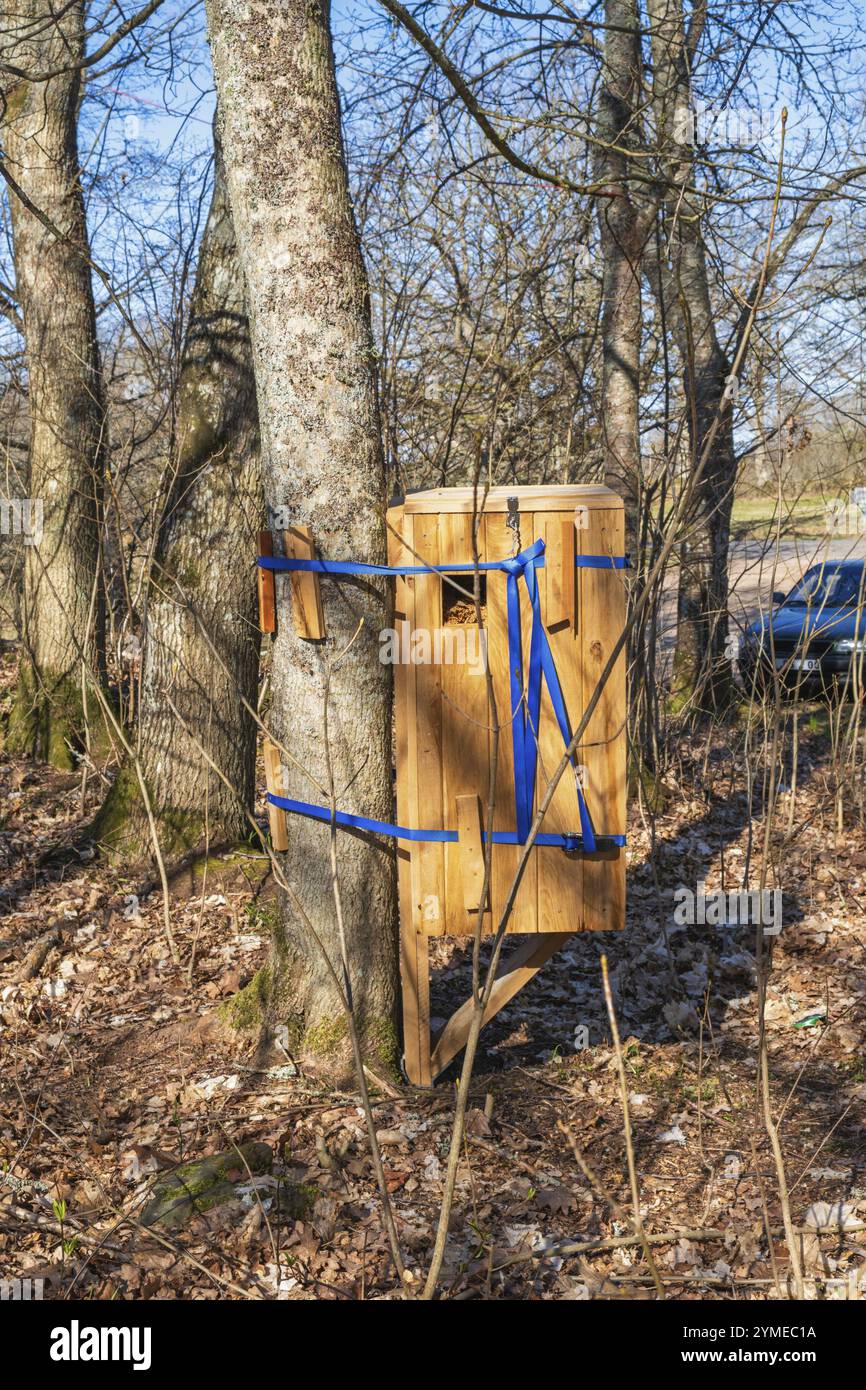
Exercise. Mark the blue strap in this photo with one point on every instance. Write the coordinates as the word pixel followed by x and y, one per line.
pixel 404 832
pixel 280 563
pixel 525 708
pixel 525 717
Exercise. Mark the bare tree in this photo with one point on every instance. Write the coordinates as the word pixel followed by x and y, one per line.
pixel 684 281
pixel 62 608
pixel 315 376
pixel 201 640
pixel 624 223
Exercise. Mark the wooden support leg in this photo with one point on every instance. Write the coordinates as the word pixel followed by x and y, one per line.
pixel 517 971
pixel 415 977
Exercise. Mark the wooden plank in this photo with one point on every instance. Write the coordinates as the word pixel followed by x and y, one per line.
pixel 415 982
pixel 266 586
pixel 560 875
pixel 465 717
pixel 307 612
pixel 521 967
pixel 499 544
pixel 559 571
pixel 414 967
pixel 602 603
pixel 562 497
pixel 274 782
pixel 469 825
pixel 425 735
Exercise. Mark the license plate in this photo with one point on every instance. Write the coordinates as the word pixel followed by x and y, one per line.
pixel 799 663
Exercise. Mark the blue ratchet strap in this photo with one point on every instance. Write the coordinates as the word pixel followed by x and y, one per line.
pixel 279 563
pixel 526 709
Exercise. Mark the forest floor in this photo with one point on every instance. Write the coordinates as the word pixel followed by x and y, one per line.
pixel 115 1069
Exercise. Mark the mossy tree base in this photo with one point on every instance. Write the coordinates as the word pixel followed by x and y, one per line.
pixel 644 781
pixel 324 1046
pixel 699 692
pixel 122 827
pixel 246 1011
pixel 47 720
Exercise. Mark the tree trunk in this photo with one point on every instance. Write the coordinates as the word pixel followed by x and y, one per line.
pixel 624 222
pixel 622 230
pixel 62 605
pixel 314 363
pixel 702 672
pixel 201 639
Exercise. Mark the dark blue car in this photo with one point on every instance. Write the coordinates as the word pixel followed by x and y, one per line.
pixel 815 637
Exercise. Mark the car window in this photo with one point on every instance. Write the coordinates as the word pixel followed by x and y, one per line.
pixel 826 586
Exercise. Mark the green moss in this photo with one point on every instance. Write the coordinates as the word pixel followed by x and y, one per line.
pixel 204 1183
pixel 179 831
pixel 199 440
pixel 641 778
pixel 263 917
pixel 381 1041
pixel 327 1038
pixel 189 575
pixel 230 865
pixel 695 689
pixel 683 676
pixel 247 1009
pixel 47 718
pixel 329 1041
pixel 120 806
pixel 121 825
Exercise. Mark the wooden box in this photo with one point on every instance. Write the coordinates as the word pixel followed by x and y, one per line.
pixel 443 736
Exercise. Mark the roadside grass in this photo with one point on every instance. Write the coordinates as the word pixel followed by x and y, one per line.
pixel 804 516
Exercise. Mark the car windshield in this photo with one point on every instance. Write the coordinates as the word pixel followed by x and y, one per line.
pixel 829 586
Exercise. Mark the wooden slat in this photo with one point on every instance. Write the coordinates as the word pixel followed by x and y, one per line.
pixel 499 544
pixel 274 782
pixel 414 969
pixel 424 707
pixel 465 765
pixel 516 972
pixel 560 875
pixel 266 586
pixel 307 612
pixel 554 498
pixel 415 983
pixel 559 571
pixel 602 601
pixel 469 823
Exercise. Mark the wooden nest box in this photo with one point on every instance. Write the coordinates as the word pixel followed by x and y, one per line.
pixel 444 734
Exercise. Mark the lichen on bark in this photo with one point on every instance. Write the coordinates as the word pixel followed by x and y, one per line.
pixel 323 467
